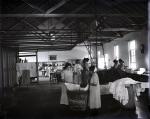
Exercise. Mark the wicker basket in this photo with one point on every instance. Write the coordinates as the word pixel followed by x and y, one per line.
pixel 77 100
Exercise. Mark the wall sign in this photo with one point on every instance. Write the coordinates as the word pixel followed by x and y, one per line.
pixel 52 57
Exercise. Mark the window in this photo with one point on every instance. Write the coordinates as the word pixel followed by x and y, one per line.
pixel 101 61
pixel 116 52
pixel 100 64
pixel 132 54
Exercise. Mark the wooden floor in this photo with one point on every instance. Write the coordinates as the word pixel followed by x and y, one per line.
pixel 41 101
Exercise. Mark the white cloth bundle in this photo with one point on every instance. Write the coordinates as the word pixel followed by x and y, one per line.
pixel 75 87
pixel 120 92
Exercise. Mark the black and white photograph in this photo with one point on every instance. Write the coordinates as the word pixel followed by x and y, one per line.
pixel 74 59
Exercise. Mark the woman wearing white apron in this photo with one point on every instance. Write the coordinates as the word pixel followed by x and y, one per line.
pixel 94 91
pixel 67 77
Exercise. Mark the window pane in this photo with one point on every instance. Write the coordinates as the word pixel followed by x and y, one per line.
pixel 101 63
pixel 133 66
pixel 132 44
pixel 116 52
pixel 133 59
pixel 132 52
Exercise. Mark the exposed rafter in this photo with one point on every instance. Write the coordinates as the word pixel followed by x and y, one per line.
pixel 25 26
pixel 68 15
pixel 61 3
pixel 119 29
pixel 58 31
pixel 47 12
pixel 74 11
pixel 103 37
pixel 33 6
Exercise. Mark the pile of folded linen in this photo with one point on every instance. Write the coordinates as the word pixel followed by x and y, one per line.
pixel 120 92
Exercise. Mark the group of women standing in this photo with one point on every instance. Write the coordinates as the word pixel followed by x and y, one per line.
pixel 82 75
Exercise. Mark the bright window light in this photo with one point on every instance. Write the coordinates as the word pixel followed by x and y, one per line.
pixel 106 59
pixel 132 54
pixel 116 52
pixel 132 45
pixel 102 61
pixel 99 53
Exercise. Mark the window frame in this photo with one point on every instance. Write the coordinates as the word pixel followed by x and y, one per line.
pixel 116 52
pixel 132 55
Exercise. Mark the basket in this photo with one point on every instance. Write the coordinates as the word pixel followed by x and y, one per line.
pixel 77 100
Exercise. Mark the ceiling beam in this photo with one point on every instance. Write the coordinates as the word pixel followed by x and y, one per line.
pixel 32 34
pixel 58 5
pixel 48 30
pixel 118 29
pixel 118 8
pixel 33 6
pixel 39 44
pixel 45 49
pixel 34 27
pixel 69 37
pixel 61 46
pixel 42 48
pixel 50 47
pixel 68 15
pixel 5 38
pixel 74 11
pixel 47 12
pixel 70 30
pixel 103 37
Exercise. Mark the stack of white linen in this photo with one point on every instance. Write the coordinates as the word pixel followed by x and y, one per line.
pixel 75 87
pixel 120 92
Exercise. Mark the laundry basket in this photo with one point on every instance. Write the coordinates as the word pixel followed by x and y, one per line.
pixel 78 98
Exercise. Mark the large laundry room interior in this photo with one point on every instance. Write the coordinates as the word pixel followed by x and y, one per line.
pixel 58 57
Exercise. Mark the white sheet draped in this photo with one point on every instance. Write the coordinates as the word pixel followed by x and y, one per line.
pixel 120 92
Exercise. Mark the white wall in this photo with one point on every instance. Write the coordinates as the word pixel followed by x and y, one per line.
pixel 140 37
pixel 78 52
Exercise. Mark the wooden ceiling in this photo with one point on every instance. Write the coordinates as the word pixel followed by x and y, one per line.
pixel 62 24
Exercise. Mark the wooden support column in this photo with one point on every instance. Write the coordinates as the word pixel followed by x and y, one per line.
pixel 37 66
pixel 7 68
pixel 104 57
pixel 2 72
pixel 96 52
pixel 149 46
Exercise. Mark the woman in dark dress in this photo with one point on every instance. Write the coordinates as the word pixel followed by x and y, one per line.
pixel 85 73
